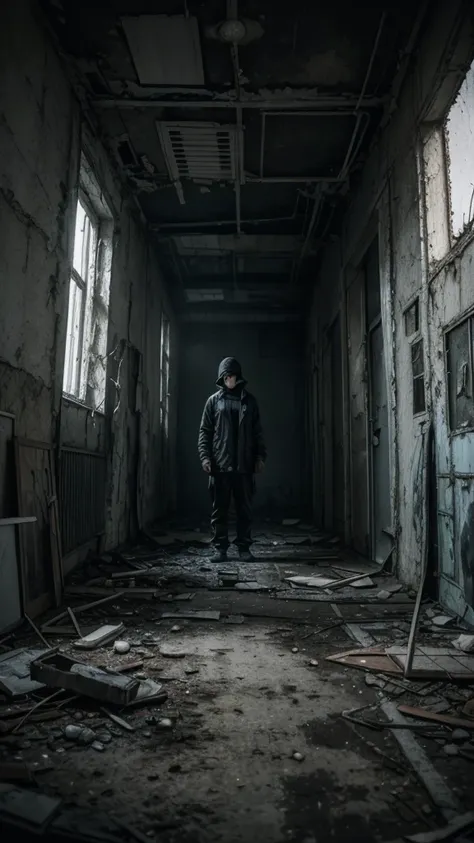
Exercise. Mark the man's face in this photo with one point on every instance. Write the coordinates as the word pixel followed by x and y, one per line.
pixel 230 381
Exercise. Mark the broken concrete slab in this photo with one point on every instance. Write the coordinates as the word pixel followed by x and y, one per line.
pixel 59 671
pixel 27 810
pixel 442 620
pixel 465 643
pixel 101 636
pixel 15 678
pixel 309 582
pixel 148 692
pixel 83 826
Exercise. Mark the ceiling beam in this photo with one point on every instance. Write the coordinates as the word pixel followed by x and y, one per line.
pixel 344 103
pixel 233 314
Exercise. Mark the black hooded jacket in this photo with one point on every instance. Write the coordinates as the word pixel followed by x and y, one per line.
pixel 217 441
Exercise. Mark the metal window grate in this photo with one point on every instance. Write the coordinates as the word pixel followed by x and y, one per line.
pixel 199 151
pixel 82 478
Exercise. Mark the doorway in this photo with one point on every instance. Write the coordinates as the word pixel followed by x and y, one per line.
pixel 333 435
pixel 378 426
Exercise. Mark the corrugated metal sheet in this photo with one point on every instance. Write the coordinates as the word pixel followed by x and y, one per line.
pixel 82 476
pixel 199 151
pixel 165 50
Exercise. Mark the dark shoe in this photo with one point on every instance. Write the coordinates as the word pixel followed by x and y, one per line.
pixel 218 555
pixel 246 556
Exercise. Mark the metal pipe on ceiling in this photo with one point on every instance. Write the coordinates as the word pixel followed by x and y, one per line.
pixel 250 179
pixel 175 226
pixel 372 59
pixel 347 103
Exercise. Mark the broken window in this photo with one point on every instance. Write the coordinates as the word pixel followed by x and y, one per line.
pixel 460 359
pixel 84 375
pixel 412 319
pixel 165 375
pixel 418 377
pixel 459 144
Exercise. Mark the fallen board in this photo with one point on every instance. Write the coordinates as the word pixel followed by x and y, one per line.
pixel 445 719
pixel 372 659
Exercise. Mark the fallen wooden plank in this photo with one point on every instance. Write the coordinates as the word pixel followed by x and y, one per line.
pixel 118 720
pixel 445 719
pixel 50 624
pixel 102 635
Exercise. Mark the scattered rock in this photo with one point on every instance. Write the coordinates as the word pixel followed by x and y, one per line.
pixel 72 732
pixel 175 628
pixel 460 735
pixel 168 653
pixel 104 737
pixel 294 650
pixel 298 756
pixel 451 749
pixel 313 663
pixel 165 723
pixel 86 737
pixel 122 647
pixel 383 595
pixel 98 746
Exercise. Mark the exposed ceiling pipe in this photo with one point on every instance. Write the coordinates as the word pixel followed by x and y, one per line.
pixel 372 59
pixel 318 201
pixel 176 226
pixel 316 103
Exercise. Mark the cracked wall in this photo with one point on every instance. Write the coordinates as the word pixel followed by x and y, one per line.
pixel 387 200
pixel 41 134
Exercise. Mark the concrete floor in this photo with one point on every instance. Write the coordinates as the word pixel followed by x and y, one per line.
pixel 243 699
pixel 226 771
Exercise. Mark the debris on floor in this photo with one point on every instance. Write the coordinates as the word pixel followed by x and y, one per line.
pixel 126 681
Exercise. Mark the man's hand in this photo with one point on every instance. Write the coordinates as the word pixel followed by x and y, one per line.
pixel 260 467
pixel 206 466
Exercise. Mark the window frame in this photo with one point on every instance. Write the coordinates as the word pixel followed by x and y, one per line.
pixel 85 353
pixel 469 318
pixel 468 228
pixel 87 287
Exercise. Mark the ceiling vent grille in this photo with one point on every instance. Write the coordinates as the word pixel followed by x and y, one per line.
pixel 199 151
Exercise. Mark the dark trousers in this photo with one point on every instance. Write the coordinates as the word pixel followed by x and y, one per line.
pixel 222 486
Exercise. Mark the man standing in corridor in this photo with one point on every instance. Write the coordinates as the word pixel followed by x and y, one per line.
pixel 231 449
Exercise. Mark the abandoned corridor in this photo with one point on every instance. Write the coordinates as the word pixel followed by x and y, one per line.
pixel 181 182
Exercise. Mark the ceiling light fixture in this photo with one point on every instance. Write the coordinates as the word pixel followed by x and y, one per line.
pixel 232 31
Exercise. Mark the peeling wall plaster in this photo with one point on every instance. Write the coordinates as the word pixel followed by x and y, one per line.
pixel 40 138
pixel 392 167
